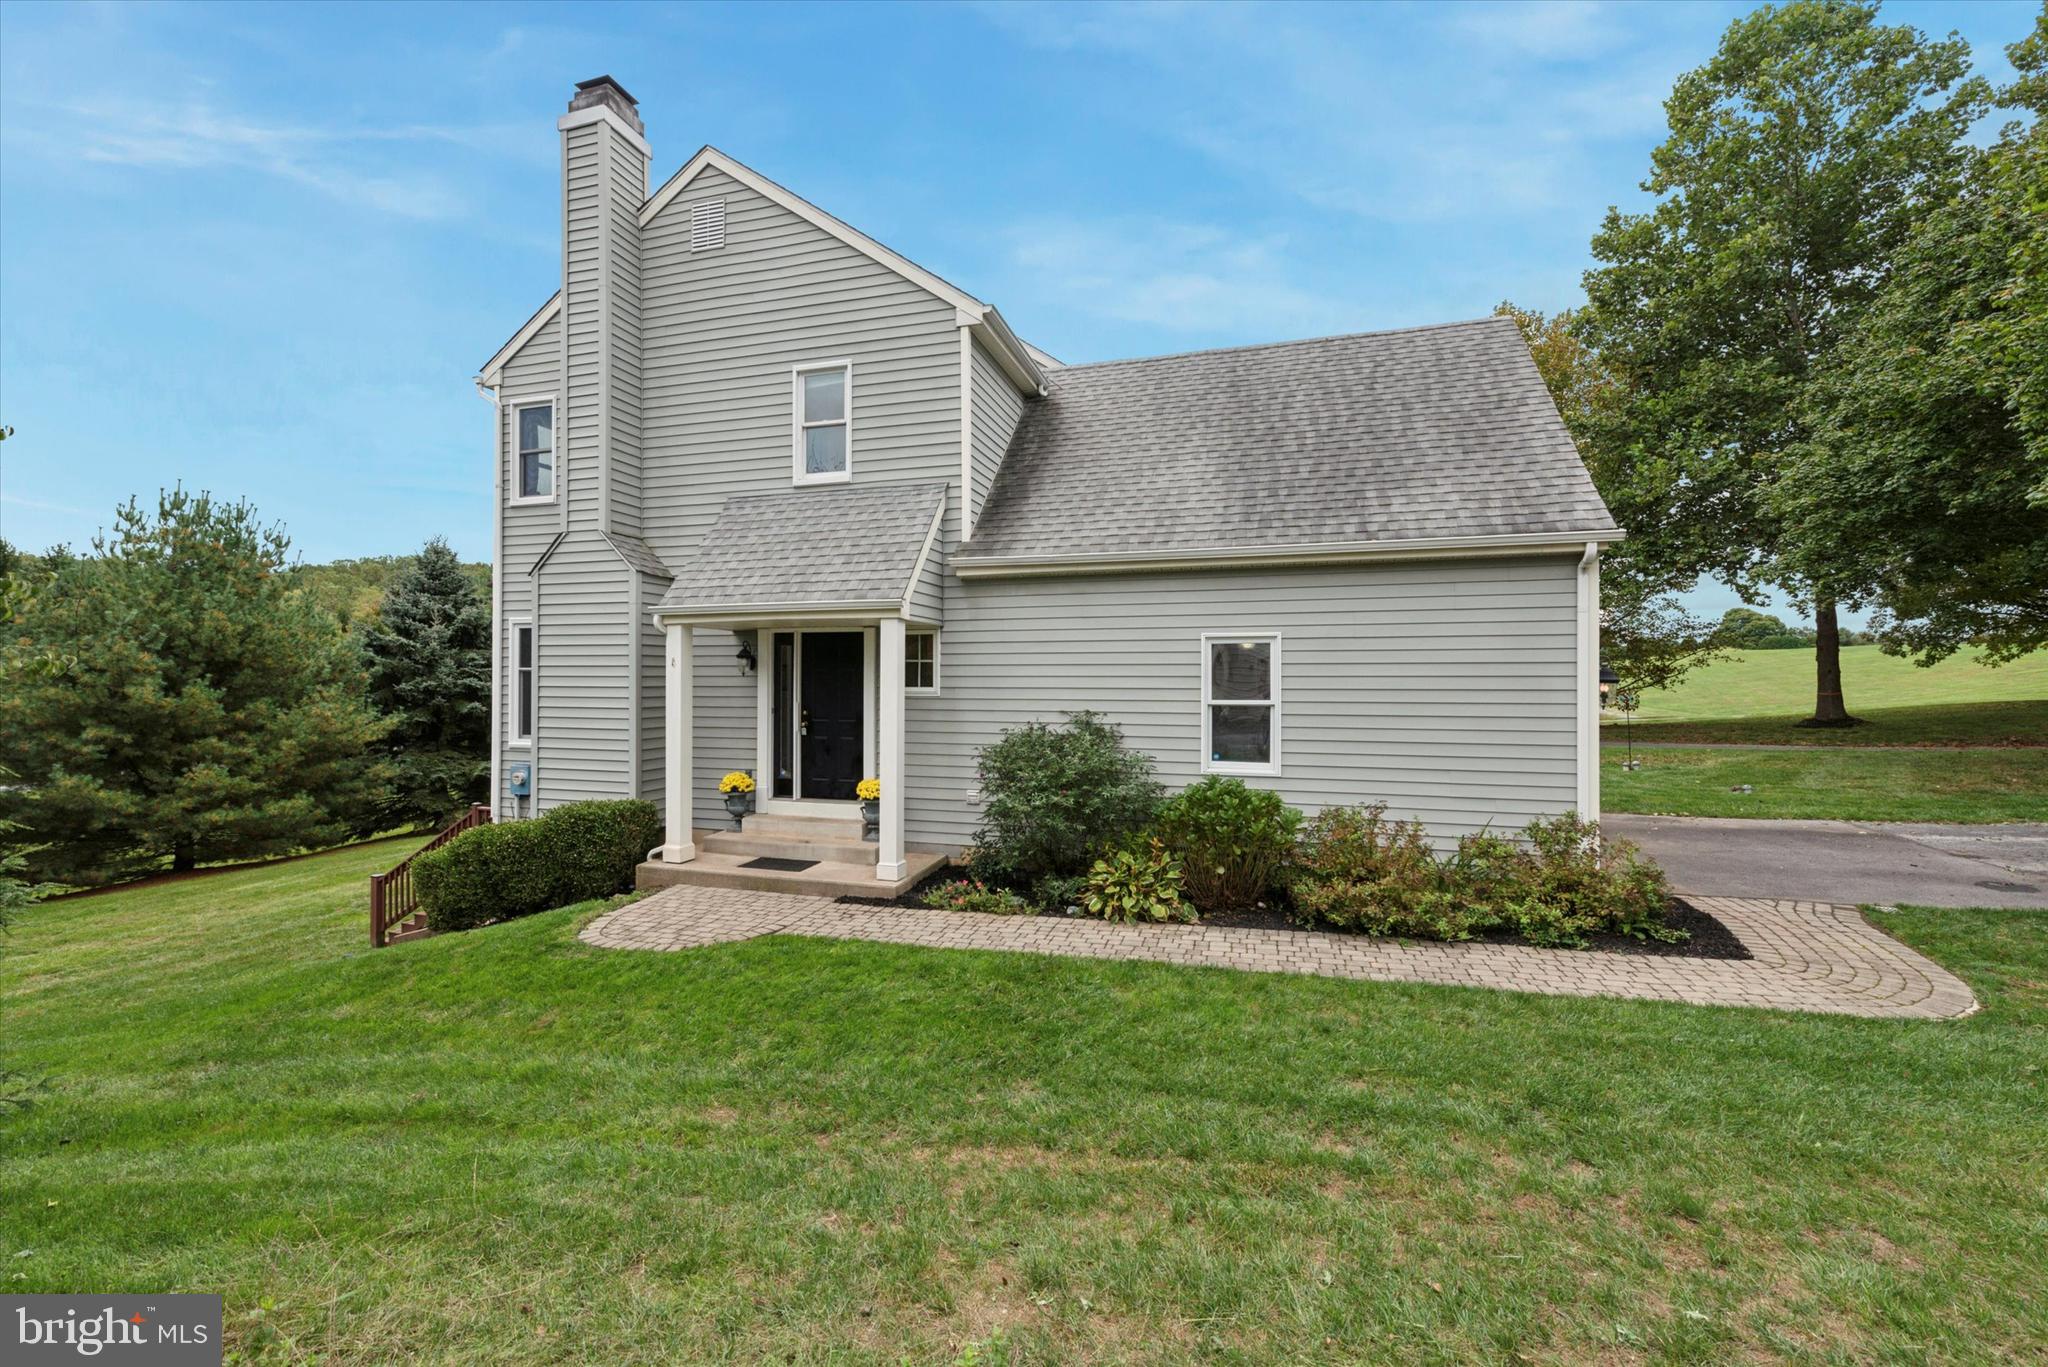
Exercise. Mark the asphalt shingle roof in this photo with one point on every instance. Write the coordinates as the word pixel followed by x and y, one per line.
pixel 852 543
pixel 1377 437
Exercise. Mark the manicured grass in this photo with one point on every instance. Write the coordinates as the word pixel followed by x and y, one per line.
pixel 505 1146
pixel 1779 683
pixel 1947 724
pixel 1840 785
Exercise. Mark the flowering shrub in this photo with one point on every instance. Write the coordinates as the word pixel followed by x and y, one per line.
pixel 974 895
pixel 868 790
pixel 736 782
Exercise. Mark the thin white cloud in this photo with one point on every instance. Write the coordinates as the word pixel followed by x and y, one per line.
pixel 1552 29
pixel 340 163
pixel 1179 277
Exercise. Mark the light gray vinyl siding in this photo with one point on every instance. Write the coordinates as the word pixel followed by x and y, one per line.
pixel 532 372
pixel 721 331
pixel 927 600
pixel 580 427
pixel 997 406
pixel 583 733
pixel 1445 689
pixel 653 695
pixel 625 189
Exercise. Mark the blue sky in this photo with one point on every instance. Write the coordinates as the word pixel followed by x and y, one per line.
pixel 263 249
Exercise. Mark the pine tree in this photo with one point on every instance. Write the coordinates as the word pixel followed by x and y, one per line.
pixel 202 710
pixel 427 653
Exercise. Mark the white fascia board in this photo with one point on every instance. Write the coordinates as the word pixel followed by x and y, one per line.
pixel 1421 548
pixel 811 213
pixel 1009 351
pixel 743 617
pixel 489 376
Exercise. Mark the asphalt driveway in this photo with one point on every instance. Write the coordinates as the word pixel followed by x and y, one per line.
pixel 1847 861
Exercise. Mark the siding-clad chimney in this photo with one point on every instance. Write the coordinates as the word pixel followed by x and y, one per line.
pixel 604 181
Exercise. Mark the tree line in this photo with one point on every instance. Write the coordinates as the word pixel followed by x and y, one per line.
pixel 182 694
pixel 1819 362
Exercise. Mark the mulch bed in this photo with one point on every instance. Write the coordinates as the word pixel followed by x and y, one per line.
pixel 1706 937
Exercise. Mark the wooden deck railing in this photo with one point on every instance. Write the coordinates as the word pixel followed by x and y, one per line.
pixel 392 896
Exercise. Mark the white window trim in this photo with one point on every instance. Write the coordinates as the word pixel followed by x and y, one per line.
pixel 797 425
pixel 513 736
pixel 513 407
pixel 1209 766
pixel 933 691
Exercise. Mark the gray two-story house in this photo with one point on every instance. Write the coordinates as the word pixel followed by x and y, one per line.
pixel 772 498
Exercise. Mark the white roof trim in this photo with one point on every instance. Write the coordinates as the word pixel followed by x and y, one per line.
pixel 1016 361
pixel 969 566
pixel 489 375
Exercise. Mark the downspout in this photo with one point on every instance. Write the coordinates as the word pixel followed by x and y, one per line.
pixel 1587 695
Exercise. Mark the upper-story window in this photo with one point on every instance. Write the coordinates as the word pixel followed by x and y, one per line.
pixel 534 426
pixel 824 423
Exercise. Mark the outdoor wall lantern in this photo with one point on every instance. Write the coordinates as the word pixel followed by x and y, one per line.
pixel 745 655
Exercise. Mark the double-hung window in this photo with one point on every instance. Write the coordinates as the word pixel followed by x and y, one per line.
pixel 921 662
pixel 533 425
pixel 823 451
pixel 522 682
pixel 1241 704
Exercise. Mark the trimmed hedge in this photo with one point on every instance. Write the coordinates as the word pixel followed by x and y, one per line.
pixel 571 854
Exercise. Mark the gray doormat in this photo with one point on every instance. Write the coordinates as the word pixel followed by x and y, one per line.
pixel 769 861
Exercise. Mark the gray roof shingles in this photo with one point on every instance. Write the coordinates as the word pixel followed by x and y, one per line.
pixel 851 543
pixel 1429 432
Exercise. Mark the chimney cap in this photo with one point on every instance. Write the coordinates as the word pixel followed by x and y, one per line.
pixel 595 81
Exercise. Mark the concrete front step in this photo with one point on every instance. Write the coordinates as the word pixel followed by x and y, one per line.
pixel 716 869
pixel 830 849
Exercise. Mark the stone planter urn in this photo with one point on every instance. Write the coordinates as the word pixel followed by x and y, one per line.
pixel 871 819
pixel 737 805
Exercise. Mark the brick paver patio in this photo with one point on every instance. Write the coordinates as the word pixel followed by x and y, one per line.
pixel 1810 956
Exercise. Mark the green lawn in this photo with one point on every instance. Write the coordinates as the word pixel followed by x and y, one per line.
pixel 1833 784
pixel 2022 723
pixel 504 1146
pixel 1765 684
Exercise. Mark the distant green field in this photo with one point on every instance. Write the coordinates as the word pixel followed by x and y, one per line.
pixel 1779 683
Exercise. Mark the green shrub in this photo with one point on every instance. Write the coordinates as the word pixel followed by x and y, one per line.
pixel 1056 892
pixel 1137 883
pixel 1233 841
pixel 573 853
pixel 1356 870
pixel 1054 796
pixel 1588 884
pixel 972 895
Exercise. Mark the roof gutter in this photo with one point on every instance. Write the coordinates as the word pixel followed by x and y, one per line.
pixel 970 566
pixel 1007 348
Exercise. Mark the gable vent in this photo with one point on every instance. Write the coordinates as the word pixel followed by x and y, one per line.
pixel 707 225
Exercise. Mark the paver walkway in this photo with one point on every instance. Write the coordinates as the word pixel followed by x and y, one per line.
pixel 1810 956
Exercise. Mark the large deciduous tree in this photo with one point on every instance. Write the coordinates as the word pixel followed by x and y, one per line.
pixel 202 711
pixel 1646 635
pixel 427 652
pixel 1926 481
pixel 1798 162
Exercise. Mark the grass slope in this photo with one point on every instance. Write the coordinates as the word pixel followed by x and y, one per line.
pixel 1839 785
pixel 505 1146
pixel 1779 684
pixel 2020 723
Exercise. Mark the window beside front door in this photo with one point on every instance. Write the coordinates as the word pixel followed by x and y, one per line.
pixel 823 432
pixel 1241 704
pixel 921 662
pixel 533 428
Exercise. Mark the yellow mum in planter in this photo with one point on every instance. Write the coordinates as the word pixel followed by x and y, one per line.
pixel 868 790
pixel 736 782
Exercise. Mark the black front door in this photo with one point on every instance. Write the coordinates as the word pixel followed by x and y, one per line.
pixel 829 722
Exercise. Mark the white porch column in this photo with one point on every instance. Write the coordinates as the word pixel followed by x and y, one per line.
pixel 677 845
pixel 889 738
